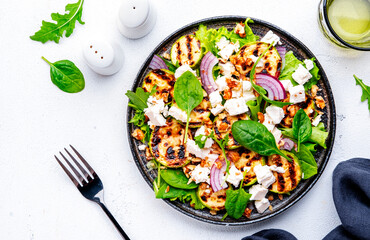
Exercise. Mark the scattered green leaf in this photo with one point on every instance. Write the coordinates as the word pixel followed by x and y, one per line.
pixel 365 90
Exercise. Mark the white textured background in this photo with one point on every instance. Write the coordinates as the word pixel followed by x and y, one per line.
pixel 37 120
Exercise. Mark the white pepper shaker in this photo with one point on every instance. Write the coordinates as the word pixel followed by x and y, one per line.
pixel 136 18
pixel 102 56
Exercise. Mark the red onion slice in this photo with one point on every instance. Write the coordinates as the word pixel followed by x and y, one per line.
pixel 282 51
pixel 216 176
pixel 288 144
pixel 206 67
pixel 272 85
pixel 157 63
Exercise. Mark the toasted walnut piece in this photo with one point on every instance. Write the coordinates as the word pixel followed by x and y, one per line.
pixel 261 117
pixel 167 56
pixel 213 212
pixel 233 156
pixel 223 127
pixel 314 90
pixel 218 164
pixel 280 197
pixel 247 212
pixel 167 189
pixel 223 61
pixel 292 110
pixel 320 102
pixel 138 134
pixel 240 30
pixel 148 154
pixel 270 208
pixel 233 84
pixel 228 94
pixel 270 197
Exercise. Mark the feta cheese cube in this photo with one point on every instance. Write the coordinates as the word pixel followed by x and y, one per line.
pixel 264 175
pixel 249 96
pixel 297 94
pixel 254 59
pixel 193 148
pixel 247 86
pixel 221 83
pixel 258 192
pixel 316 120
pixel 277 169
pixel 268 123
pixel 235 176
pixel 271 37
pixel 228 50
pixel 217 110
pixel 201 131
pixel 200 174
pixel 237 93
pixel 222 43
pixel 182 69
pixel 262 205
pixel 178 114
pixel 301 75
pixel 275 113
pixel 226 69
pixel 215 98
pixel 236 106
pixel 277 134
pixel 155 117
pixel 286 84
pixel 309 64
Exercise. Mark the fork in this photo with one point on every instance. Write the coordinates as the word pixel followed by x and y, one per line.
pixel 89 184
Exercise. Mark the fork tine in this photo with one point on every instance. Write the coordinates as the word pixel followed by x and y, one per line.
pixel 78 175
pixel 92 172
pixel 87 176
pixel 75 182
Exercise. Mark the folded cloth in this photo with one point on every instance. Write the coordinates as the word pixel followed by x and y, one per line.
pixel 271 234
pixel 351 193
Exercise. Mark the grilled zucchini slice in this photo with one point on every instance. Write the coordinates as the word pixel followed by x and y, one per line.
pixel 249 159
pixel 222 127
pixel 186 50
pixel 243 64
pixel 285 182
pixel 212 200
pixel 200 114
pixel 308 106
pixel 166 144
pixel 165 81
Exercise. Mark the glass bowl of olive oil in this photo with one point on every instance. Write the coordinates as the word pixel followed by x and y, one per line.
pixel 346 22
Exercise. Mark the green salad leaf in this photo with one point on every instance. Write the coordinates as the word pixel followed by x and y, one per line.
pixel 255 107
pixel 307 162
pixel 311 146
pixel 236 201
pixel 302 128
pixel 188 94
pixel 222 144
pixel 256 137
pixel 200 140
pixel 365 90
pixel 250 36
pixel 319 134
pixel 169 64
pixel 176 178
pixel 64 24
pixel 66 76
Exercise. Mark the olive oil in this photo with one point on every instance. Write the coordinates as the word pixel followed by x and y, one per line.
pixel 350 19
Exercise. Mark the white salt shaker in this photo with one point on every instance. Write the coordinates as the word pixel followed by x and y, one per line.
pixel 102 56
pixel 136 18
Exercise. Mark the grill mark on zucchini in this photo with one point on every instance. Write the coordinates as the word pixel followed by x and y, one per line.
pixel 212 200
pixel 165 82
pixel 186 50
pixel 247 158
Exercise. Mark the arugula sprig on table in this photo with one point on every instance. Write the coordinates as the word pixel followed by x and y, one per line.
pixel 365 90
pixel 188 94
pixel 64 24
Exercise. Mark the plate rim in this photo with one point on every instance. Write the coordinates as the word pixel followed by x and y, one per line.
pixel 324 79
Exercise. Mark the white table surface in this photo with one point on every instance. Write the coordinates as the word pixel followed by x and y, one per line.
pixel 37 120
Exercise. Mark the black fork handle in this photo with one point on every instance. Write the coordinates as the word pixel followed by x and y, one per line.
pixel 114 221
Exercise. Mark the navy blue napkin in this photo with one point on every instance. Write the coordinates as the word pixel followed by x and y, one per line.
pixel 351 193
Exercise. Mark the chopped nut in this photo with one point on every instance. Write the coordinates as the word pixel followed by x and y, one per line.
pixel 233 156
pixel 314 90
pixel 223 127
pixel 203 163
pixel 138 134
pixel 320 102
pixel 270 197
pixel 228 94
pixel 190 180
pixel 166 56
pixel 213 212
pixel 292 110
pixel 223 61
pixel 261 117
pixel 280 197
pixel 148 154
pixel 247 212
pixel 218 164
pixel 167 189
pixel 233 84
pixel 270 208
pixel 240 30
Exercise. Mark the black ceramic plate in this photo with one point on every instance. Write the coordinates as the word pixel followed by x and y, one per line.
pixel 322 156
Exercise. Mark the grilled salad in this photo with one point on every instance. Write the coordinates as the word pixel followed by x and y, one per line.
pixel 229 120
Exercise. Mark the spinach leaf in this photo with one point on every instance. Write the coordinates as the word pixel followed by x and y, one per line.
pixel 188 94
pixel 318 135
pixel 236 201
pixel 307 162
pixel 255 136
pixel 176 178
pixel 365 90
pixel 302 128
pixel 64 23
pixel 255 107
pixel 66 76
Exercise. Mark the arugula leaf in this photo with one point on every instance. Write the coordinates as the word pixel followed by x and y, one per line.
pixel 188 94
pixel 307 162
pixel 318 135
pixel 222 143
pixel 236 201
pixel 255 136
pixel 200 140
pixel 169 64
pixel 194 199
pixel 138 99
pixel 302 128
pixel 66 76
pixel 365 90
pixel 255 107
pixel 64 24
pixel 176 178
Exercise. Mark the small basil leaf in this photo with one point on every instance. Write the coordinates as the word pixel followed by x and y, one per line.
pixel 66 76
pixel 307 162
pixel 302 128
pixel 236 202
pixel 176 178
pixel 255 136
